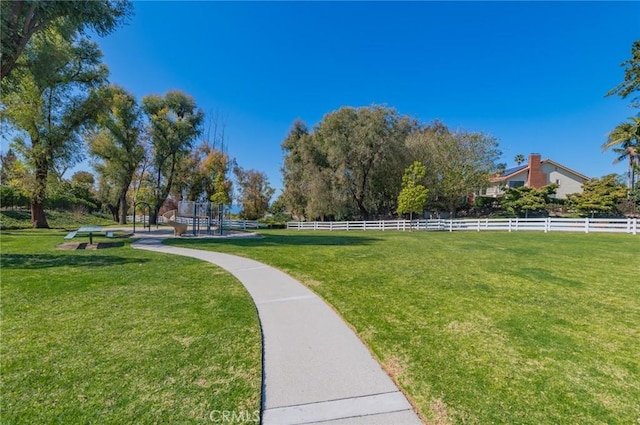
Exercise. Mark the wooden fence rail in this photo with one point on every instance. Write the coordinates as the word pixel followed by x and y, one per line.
pixel 549 224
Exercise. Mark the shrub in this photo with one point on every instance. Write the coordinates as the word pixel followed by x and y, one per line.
pixel 11 197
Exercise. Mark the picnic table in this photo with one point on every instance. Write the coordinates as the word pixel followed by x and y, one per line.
pixel 90 230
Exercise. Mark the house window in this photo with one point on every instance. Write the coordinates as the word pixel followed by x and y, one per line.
pixel 516 183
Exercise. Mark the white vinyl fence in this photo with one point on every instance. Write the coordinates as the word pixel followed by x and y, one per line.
pixel 584 225
pixel 202 222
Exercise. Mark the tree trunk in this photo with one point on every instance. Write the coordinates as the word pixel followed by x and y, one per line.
pixel 162 193
pixel 113 209
pixel 363 211
pixel 123 208
pixel 38 219
pixel 153 216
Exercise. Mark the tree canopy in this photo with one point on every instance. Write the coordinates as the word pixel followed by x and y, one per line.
pixel 413 196
pixel 351 164
pixel 526 199
pixel 22 19
pixel 458 163
pixel 624 141
pixel 599 195
pixel 116 145
pixel 175 122
pixel 255 193
pixel 50 105
pixel 630 86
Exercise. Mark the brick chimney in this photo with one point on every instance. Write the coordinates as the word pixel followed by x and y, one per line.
pixel 536 178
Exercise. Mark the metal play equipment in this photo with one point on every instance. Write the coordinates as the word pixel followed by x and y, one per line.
pixel 146 212
pixel 204 218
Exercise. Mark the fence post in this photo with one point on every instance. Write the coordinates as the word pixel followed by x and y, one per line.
pixel 547 224
pixel 451 225
pixel 586 224
pixel 509 224
pixel 478 225
pixel 635 226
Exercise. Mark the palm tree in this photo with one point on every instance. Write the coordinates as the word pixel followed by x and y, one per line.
pixel 519 159
pixel 624 140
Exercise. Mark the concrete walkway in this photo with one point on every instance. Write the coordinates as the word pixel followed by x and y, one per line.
pixel 316 370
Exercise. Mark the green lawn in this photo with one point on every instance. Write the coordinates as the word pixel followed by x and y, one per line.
pixel 482 328
pixel 117 335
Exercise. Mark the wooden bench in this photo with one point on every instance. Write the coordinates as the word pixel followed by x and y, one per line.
pixel 71 235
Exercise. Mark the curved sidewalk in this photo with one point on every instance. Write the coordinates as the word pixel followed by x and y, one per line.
pixel 315 369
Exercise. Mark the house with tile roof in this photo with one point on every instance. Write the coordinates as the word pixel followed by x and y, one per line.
pixel 537 173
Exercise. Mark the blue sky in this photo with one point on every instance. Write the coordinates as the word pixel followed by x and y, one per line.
pixel 532 74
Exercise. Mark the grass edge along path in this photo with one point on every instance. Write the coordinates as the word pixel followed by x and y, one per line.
pixel 121 335
pixel 482 328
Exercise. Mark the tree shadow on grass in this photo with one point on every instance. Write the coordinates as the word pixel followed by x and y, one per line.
pixel 281 240
pixel 44 261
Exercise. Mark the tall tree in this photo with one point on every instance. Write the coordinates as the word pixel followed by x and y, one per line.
pixel 459 163
pixel 624 140
pixel 50 105
pixel 9 162
pixel 519 159
pixel 365 151
pixel 174 123
pixel 21 19
pixel 117 146
pixel 631 84
pixel 255 193
pixel 82 184
pixel 599 195
pixel 296 168
pixel 15 180
pixel 413 196
pixel 203 175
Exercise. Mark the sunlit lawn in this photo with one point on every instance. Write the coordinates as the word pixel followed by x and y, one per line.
pixel 117 336
pixel 480 328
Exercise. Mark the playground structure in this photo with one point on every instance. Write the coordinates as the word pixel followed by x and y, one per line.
pixel 193 218
pixel 204 218
pixel 170 218
pixel 146 211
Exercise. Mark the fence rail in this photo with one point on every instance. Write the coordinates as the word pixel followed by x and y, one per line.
pixel 201 222
pixel 549 224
